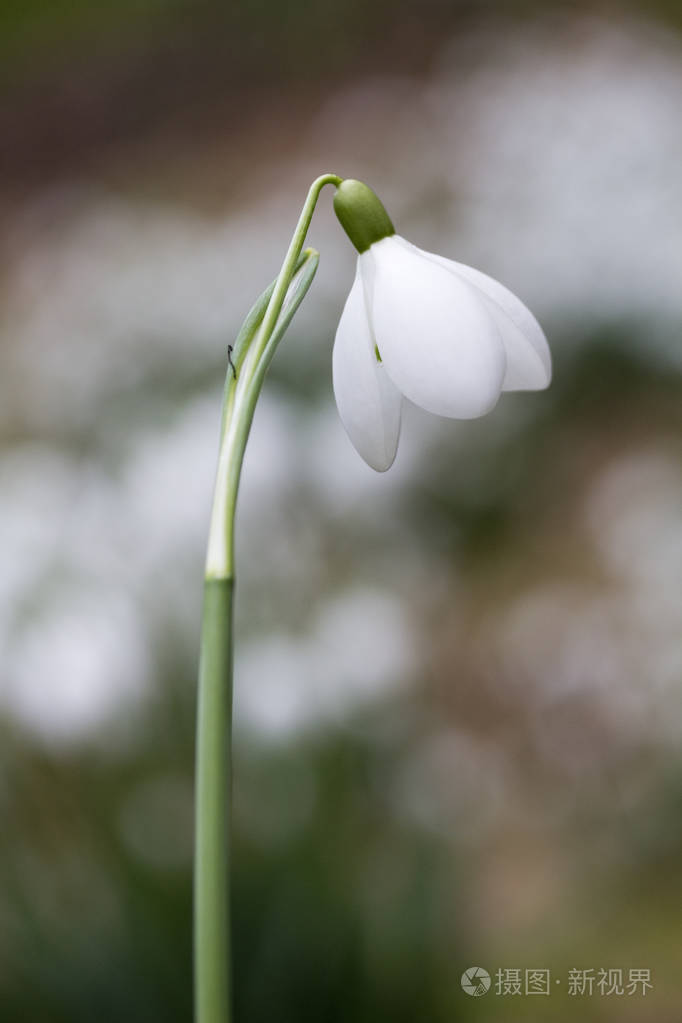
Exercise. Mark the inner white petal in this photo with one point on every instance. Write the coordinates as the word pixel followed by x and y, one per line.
pixel 368 402
pixel 438 339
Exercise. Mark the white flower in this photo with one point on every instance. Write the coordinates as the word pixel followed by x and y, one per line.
pixel 446 336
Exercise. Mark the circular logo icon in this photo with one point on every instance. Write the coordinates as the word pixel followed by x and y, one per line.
pixel 476 981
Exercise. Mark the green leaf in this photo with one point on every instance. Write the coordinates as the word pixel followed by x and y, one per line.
pixel 300 282
pixel 303 275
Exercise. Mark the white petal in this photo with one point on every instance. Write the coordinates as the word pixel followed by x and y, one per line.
pixel 529 362
pixel 437 337
pixel 368 403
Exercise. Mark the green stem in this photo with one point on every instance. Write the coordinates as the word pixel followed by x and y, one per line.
pixel 291 258
pixel 252 352
pixel 212 959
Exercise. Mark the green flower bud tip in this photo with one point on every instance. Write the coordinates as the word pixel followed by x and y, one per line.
pixel 361 214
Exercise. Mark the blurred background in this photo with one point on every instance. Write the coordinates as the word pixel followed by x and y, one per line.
pixel 457 703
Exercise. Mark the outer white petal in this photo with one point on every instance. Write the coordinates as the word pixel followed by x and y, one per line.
pixel 437 337
pixel 368 403
pixel 529 362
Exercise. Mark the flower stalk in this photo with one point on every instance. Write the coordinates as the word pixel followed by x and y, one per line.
pixel 248 361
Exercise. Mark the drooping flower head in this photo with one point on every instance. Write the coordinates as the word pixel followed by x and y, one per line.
pixel 447 337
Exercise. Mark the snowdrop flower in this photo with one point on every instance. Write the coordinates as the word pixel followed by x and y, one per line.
pixel 445 336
